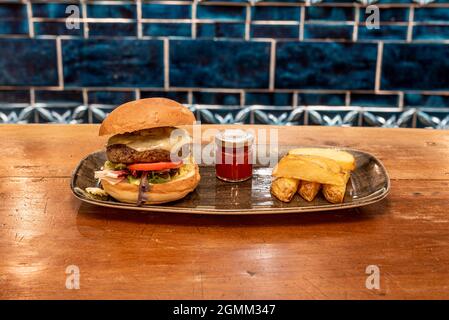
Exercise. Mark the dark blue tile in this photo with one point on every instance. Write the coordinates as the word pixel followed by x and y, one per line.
pixel 431 32
pixel 14 96
pixel 217 98
pixel 432 14
pixel 179 96
pixel 321 99
pixel 221 13
pixel 220 30
pixel 13 11
pixel 275 31
pixel 72 97
pixel 114 63
pixel 398 1
pixel 329 13
pixel 374 100
pixel 319 31
pixel 54 10
pixel 110 97
pixel 56 28
pixel 325 65
pixel 275 13
pixel 113 29
pixel 13 19
pixel 269 99
pixel 221 64
pixel 385 32
pixel 167 29
pixel 162 11
pixel 28 62
pixel 14 27
pixel 423 100
pixel 127 11
pixel 387 14
pixel 415 66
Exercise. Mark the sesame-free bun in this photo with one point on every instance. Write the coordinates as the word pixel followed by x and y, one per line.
pixel 159 193
pixel 146 114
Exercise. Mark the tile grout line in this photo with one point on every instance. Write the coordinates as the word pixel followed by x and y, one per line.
pixel 86 103
pixel 30 19
pixel 295 99
pixel 380 49
pixel 411 18
pixel 248 22
pixel 85 19
pixel 59 63
pixel 139 18
pixel 33 104
pixel 194 19
pixel 401 101
pixel 301 23
pixel 272 65
pixel 166 64
pixel 355 31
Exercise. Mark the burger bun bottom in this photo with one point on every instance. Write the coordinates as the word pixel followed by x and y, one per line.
pixel 159 193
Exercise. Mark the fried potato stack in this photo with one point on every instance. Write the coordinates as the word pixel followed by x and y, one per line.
pixel 307 170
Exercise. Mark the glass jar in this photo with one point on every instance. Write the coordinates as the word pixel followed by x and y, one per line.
pixel 234 155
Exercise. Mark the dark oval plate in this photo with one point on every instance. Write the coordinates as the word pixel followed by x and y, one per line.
pixel 369 183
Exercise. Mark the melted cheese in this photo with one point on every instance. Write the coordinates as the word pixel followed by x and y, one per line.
pixel 157 138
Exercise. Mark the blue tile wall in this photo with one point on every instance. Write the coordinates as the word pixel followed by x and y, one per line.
pixel 226 64
pixel 314 62
pixel 130 63
pixel 344 66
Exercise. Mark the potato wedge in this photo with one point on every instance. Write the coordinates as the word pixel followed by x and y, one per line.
pixel 310 168
pixel 309 190
pixel 343 158
pixel 336 193
pixel 284 188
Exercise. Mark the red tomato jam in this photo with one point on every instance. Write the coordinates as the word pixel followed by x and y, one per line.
pixel 234 158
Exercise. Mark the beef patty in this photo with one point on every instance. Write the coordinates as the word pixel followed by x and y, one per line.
pixel 120 153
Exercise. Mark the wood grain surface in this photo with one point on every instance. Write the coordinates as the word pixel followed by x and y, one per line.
pixel 129 254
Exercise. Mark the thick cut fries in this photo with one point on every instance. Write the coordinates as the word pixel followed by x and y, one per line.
pixel 343 158
pixel 284 188
pixel 336 193
pixel 309 190
pixel 310 168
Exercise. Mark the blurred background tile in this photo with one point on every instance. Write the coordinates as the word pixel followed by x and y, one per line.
pixel 130 63
pixel 28 62
pixel 221 13
pixel 167 29
pixel 275 13
pixel 166 11
pixel 275 31
pixel 220 30
pixel 326 31
pixel 13 18
pixel 415 66
pixel 125 11
pixel 325 65
pixel 220 64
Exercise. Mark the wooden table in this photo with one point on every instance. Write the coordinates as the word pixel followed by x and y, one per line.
pixel 121 254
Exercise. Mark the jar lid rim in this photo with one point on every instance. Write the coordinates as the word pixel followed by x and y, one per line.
pixel 234 137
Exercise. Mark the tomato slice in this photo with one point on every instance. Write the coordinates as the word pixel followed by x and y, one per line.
pixel 156 166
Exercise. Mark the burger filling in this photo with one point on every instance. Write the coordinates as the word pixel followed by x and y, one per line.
pixel 147 146
pixel 144 158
